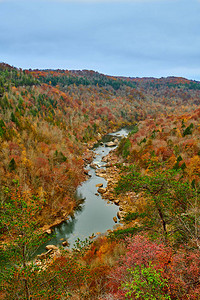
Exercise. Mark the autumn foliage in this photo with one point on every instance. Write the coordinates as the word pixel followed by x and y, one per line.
pixel 48 121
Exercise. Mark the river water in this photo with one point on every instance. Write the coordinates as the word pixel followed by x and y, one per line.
pixel 95 214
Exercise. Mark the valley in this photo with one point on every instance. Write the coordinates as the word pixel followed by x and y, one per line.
pixel 53 157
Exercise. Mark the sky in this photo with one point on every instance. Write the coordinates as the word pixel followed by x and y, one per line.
pixel 136 38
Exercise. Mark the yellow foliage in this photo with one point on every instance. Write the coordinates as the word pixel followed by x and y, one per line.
pixel 193 169
pixel 155 159
pixel 171 161
pixel 27 195
pixel 104 248
pixel 23 157
pixel 24 160
pixel 178 132
pixel 41 192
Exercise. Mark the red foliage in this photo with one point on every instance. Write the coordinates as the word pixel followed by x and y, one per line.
pixel 183 274
pixel 140 251
pixel 181 269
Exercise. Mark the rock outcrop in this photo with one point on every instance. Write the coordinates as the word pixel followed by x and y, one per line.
pixel 51 247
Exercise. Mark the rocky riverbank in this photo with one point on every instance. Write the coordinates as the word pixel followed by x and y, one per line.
pixel 128 202
pixel 103 166
pixel 62 216
pixel 111 173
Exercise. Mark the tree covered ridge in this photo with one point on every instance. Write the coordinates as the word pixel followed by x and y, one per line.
pixel 161 165
pixel 156 254
pixel 40 144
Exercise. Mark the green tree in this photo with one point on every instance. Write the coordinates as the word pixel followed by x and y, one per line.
pixel 146 283
pixel 171 201
pixel 12 165
pixel 20 276
pixel 19 228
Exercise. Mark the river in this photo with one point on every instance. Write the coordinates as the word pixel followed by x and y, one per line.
pixel 95 214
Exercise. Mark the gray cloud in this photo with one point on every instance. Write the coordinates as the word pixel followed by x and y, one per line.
pixel 155 38
pixel 108 1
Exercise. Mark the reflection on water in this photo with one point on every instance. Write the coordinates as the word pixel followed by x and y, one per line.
pixel 93 214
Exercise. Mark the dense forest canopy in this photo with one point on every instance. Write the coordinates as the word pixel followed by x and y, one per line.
pixel 155 255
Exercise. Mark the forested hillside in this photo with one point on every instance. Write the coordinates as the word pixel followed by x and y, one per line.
pixel 49 119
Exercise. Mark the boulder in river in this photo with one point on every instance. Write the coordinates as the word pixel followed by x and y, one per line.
pixel 65 243
pixel 116 202
pixel 120 214
pixel 111 144
pixel 86 172
pixel 93 166
pixel 102 190
pixel 99 185
pixel 115 219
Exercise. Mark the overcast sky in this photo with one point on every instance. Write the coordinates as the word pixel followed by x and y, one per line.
pixel 134 38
